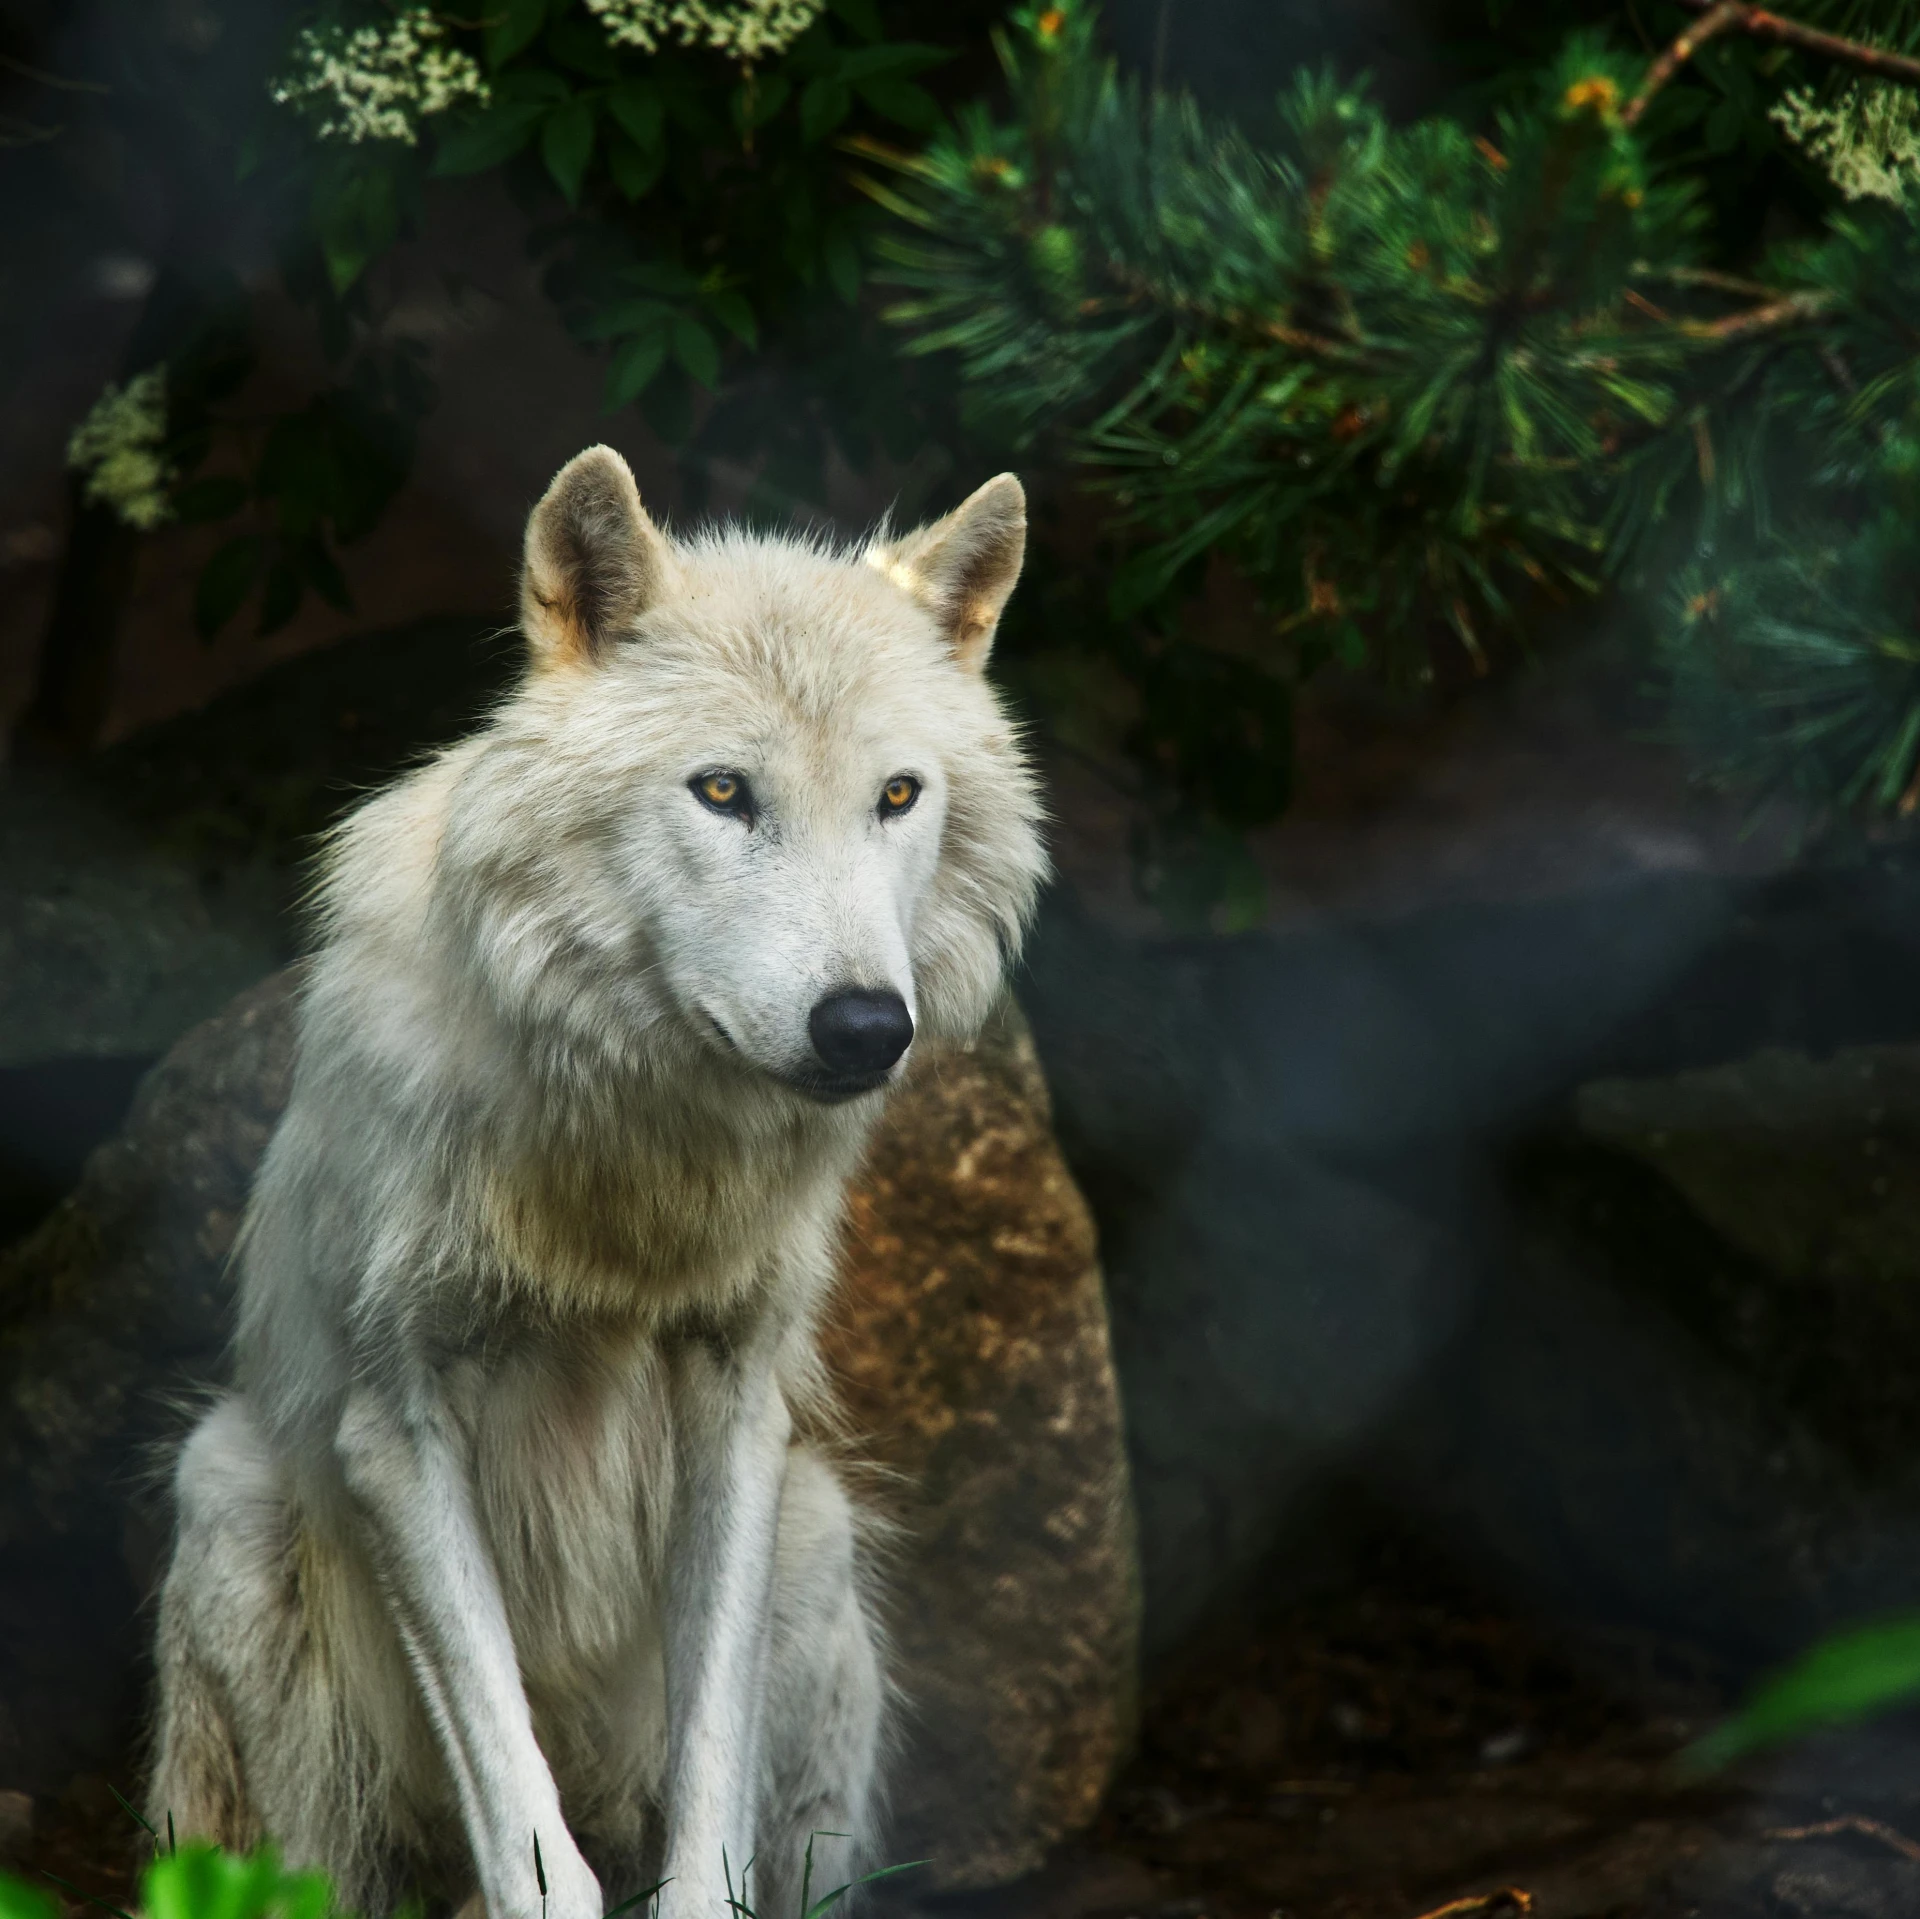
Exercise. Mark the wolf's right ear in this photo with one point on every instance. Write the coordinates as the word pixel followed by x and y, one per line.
pixel 594 561
pixel 962 568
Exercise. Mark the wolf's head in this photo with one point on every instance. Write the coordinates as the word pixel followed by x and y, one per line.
pixel 756 798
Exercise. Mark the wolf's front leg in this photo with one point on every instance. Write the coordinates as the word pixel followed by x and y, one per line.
pixel 731 1431
pixel 409 1481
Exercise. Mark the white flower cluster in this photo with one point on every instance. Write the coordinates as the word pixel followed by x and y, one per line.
pixel 1867 139
pixel 745 30
pixel 118 447
pixel 377 82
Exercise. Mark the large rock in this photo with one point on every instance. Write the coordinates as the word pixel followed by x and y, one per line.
pixel 1686 1399
pixel 1804 1175
pixel 972 1347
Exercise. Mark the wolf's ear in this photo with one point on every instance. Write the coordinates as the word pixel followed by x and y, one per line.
pixel 594 561
pixel 962 568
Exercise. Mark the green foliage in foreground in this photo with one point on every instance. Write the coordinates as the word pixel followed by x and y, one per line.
pixel 1850 1677
pixel 207 1882
pixel 199 1882
pixel 1423 383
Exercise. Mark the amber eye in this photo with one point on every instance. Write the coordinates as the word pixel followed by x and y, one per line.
pixel 898 794
pixel 724 792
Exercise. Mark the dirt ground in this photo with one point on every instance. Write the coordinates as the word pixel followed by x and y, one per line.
pixel 1401 1742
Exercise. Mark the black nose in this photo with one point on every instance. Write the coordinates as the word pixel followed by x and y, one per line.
pixel 860 1034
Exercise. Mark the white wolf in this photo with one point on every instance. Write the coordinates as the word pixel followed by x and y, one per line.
pixel 511 1530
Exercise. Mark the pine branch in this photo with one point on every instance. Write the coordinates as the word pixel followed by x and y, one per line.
pixel 1790 309
pixel 1413 380
pixel 1724 16
pixel 1721 16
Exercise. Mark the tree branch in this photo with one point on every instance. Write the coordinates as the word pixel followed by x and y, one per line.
pixel 1789 310
pixel 1722 16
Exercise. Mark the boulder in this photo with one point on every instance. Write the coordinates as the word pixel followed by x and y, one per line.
pixel 1684 1401
pixel 971 1345
pixel 1801 1178
pixel 972 1348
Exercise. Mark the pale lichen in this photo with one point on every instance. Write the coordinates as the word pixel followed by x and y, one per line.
pixel 1866 139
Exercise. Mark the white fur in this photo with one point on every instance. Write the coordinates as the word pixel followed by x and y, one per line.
pixel 506 1530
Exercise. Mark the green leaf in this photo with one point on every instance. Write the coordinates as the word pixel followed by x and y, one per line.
pixel 634 106
pixel 578 43
pixel 1725 124
pixel 895 60
pixel 486 139
pixel 1848 1677
pixel 668 406
pixel 622 317
pixel 733 311
pixel 842 260
pixel 861 15
pixel 566 144
pixel 633 369
pixel 532 83
pixel 225 581
pixel 324 575
pixel 902 102
pixel 634 169
pixel 356 216
pixel 637 1899
pixel 202 1882
pixel 209 499
pixel 826 1904
pixel 696 350
pixel 757 100
pixel 280 598
pixel 665 277
pixel 297 468
pixel 510 26
pixel 18 1900
pixel 823 105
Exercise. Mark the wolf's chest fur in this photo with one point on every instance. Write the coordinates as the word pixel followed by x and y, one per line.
pixel 571 1455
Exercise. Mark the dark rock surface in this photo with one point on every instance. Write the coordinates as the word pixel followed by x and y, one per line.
pixel 1349 1229
pixel 975 1355
pixel 114 1307
pixel 1802 1178
pixel 973 1348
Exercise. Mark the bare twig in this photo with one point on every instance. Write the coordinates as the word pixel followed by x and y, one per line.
pixel 1710 278
pixel 1850 1822
pixel 1719 17
pixel 1722 16
pixel 1789 310
pixel 1830 46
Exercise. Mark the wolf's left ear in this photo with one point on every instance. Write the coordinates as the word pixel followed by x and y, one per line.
pixel 962 568
pixel 594 561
